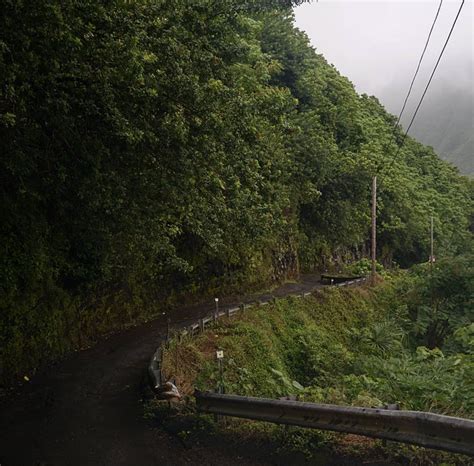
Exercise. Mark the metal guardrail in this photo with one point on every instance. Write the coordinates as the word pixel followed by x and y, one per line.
pixel 351 282
pixel 419 428
pixel 329 279
pixel 154 368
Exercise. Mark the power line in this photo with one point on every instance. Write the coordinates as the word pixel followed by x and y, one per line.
pixel 395 125
pixel 427 86
pixel 419 64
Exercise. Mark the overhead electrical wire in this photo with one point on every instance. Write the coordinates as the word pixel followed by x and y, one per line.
pixel 427 85
pixel 395 125
pixel 419 64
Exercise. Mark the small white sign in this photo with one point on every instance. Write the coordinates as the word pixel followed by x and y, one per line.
pixel 220 354
pixel 216 300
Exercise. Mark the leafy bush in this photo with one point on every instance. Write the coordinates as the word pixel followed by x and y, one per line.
pixel 363 268
pixel 349 347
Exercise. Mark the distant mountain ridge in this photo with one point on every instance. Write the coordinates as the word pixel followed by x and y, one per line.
pixel 445 122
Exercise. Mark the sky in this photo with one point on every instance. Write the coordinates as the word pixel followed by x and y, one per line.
pixel 377 44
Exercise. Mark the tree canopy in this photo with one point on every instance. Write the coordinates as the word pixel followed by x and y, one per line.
pixel 155 146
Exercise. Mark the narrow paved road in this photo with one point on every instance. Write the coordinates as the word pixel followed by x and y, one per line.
pixel 87 410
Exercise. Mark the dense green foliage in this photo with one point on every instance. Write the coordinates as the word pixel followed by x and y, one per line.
pixel 153 147
pixel 354 347
pixel 440 304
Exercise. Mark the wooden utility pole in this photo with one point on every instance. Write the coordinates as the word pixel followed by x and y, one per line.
pixel 374 228
pixel 432 259
pixel 432 244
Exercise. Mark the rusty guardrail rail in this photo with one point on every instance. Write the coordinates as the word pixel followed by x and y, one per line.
pixel 419 428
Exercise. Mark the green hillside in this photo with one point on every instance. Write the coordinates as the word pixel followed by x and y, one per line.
pixel 446 122
pixel 362 347
pixel 156 151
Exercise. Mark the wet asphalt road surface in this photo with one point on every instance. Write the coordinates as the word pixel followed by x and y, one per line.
pixel 87 409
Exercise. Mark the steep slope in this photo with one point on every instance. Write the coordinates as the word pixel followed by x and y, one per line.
pixel 153 152
pixel 446 122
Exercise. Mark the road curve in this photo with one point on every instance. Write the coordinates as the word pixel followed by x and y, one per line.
pixel 87 410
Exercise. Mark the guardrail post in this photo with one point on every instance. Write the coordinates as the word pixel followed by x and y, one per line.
pixel 201 325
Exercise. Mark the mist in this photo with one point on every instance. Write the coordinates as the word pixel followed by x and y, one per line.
pixel 377 45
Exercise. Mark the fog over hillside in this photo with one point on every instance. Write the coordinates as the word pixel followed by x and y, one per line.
pixel 377 45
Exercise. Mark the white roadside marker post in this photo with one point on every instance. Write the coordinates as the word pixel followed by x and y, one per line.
pixel 216 312
pixel 220 387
